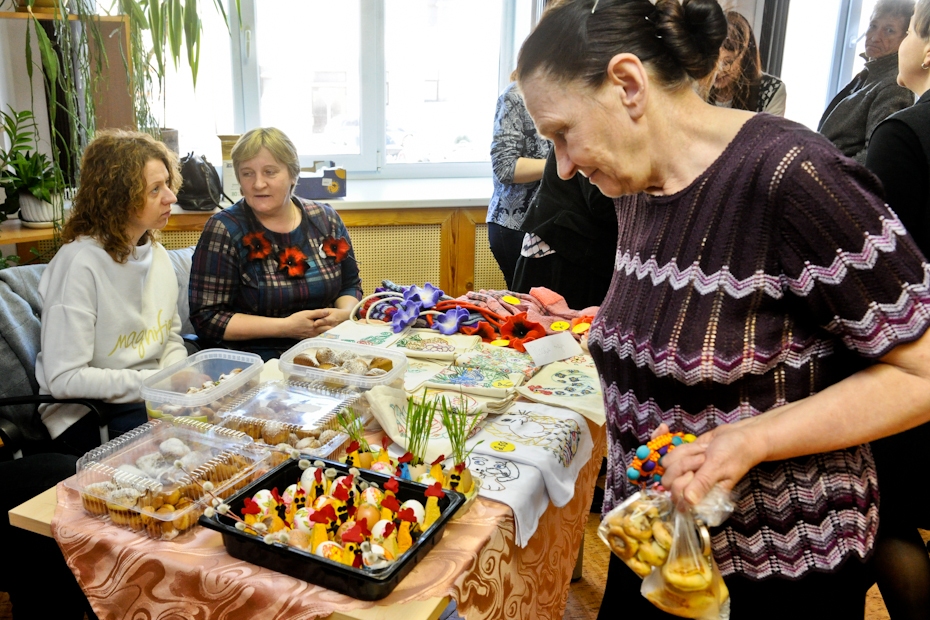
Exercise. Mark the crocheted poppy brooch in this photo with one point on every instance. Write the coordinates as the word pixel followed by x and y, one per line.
pixel 293 261
pixel 258 245
pixel 335 248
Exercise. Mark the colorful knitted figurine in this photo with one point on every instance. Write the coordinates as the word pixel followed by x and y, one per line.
pixel 647 464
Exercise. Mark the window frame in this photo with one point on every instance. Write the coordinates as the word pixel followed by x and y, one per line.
pixel 370 163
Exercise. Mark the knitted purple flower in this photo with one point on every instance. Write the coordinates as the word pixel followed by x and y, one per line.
pixel 407 313
pixel 448 322
pixel 427 295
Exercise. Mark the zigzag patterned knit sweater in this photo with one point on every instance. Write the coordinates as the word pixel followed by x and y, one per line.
pixel 776 273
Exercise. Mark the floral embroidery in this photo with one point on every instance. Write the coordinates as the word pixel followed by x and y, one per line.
pixel 336 248
pixel 519 331
pixel 258 245
pixel 293 261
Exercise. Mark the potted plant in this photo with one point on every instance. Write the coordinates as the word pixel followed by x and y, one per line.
pixel 31 182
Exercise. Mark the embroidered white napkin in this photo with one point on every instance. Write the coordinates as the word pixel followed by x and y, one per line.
pixel 555 440
pixel 572 383
pixel 502 360
pixel 374 334
pixel 420 370
pixel 430 344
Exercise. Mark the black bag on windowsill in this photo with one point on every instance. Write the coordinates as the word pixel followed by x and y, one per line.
pixel 202 189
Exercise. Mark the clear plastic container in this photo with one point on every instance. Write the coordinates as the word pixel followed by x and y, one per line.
pixel 343 352
pixel 201 385
pixel 135 480
pixel 296 413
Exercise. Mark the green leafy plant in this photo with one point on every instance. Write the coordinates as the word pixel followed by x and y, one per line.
pixel 459 427
pixel 349 422
pixel 23 169
pixel 419 419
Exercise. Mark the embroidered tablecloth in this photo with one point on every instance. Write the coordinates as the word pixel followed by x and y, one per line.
pixel 477 563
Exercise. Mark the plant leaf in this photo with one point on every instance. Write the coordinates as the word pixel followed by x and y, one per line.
pixel 192 28
pixel 175 29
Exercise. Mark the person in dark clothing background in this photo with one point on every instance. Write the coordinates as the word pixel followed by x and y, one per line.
pixel 571 240
pixel 899 154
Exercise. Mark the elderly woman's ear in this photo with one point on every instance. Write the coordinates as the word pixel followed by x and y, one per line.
pixel 626 72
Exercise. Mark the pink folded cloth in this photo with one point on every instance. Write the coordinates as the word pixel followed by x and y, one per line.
pixel 541 305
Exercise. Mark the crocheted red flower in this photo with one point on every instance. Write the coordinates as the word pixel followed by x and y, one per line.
pixel 258 245
pixel 519 331
pixel 483 329
pixel 336 248
pixel 293 261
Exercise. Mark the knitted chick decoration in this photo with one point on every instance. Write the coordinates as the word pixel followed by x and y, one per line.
pixel 351 540
pixel 435 471
pixel 404 539
pixel 320 533
pixel 389 507
pixel 433 494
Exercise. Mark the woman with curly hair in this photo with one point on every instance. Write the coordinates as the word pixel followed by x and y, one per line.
pixel 739 82
pixel 109 316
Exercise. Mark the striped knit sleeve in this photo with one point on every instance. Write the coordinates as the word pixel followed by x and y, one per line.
pixel 844 255
pixel 214 282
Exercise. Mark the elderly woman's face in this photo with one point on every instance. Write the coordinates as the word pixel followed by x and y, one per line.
pixel 266 183
pixel 590 132
pixel 884 35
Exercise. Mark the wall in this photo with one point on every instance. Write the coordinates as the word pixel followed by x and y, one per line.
pixel 15 90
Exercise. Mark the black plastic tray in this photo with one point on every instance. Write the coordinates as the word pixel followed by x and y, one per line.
pixel 365 585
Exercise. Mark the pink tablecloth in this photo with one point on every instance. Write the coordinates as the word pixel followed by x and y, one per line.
pixel 477 563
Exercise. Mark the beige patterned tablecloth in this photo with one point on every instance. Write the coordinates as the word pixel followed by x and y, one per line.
pixel 477 563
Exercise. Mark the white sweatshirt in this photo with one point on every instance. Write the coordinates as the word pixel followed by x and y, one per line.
pixel 106 326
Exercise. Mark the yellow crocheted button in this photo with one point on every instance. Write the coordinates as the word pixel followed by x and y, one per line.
pixel 581 328
pixel 510 299
pixel 503 446
pixel 500 343
pixel 559 326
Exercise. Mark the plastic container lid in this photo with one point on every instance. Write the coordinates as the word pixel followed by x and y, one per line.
pixel 292 411
pixel 328 378
pixel 171 386
pixel 136 482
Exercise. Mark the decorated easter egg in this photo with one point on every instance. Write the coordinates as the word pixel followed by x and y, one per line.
pixel 266 502
pixel 299 539
pixel 378 530
pixel 427 479
pixel 418 510
pixel 302 519
pixel 372 496
pixel 329 550
pixel 289 493
pixel 382 468
pixel 322 501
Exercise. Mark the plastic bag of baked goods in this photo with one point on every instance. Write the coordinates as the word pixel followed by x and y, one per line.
pixel 688 584
pixel 638 530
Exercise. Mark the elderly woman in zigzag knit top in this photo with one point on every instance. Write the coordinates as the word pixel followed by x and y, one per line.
pixel 764 298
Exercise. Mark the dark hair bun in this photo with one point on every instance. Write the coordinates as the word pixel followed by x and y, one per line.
pixel 693 32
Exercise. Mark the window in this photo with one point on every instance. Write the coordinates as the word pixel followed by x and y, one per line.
pixel 397 88
pixel 821 59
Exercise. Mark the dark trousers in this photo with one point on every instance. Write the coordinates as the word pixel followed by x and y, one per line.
pixel 505 244
pixel 84 435
pixel 838 596
pixel 34 572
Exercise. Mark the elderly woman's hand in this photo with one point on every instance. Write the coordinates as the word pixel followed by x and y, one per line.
pixel 722 457
pixel 330 318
